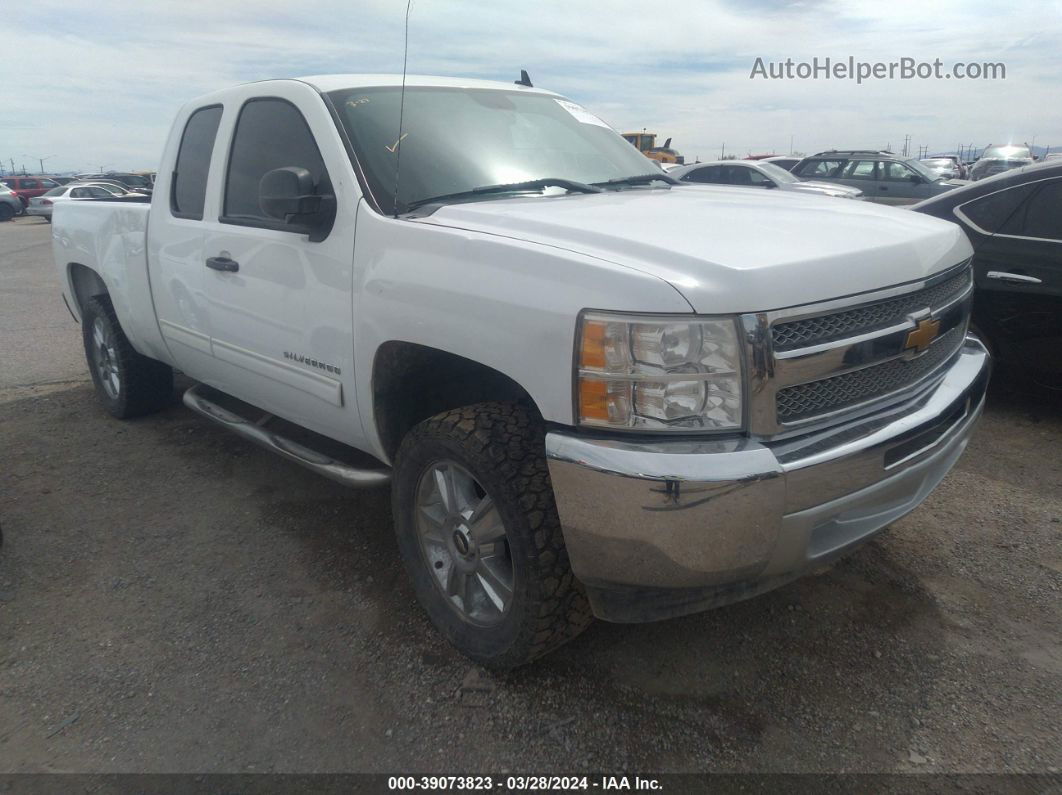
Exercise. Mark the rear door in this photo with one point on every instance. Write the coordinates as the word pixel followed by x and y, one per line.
pixel 863 174
pixel 175 241
pixel 282 313
pixel 1019 278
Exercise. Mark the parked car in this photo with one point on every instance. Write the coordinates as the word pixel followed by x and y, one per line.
pixel 783 161
pixel 28 187
pixel 141 183
pixel 1014 221
pixel 43 206
pixel 997 159
pixel 10 205
pixel 114 188
pixel 946 166
pixel 882 176
pixel 757 174
pixel 591 391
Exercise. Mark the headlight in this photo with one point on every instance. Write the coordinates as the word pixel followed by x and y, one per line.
pixel 658 373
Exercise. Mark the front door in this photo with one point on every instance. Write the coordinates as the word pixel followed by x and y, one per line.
pixel 281 305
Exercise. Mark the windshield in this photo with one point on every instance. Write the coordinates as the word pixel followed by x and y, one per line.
pixel 920 167
pixel 938 162
pixel 457 139
pixel 113 189
pixel 777 173
pixel 56 191
pixel 1007 152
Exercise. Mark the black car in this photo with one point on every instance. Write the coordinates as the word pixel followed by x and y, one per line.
pixel 1014 221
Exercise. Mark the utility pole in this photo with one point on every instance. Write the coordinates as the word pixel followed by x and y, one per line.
pixel 722 150
pixel 790 144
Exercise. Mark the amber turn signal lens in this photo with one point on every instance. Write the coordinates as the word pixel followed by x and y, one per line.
pixel 593 400
pixel 592 348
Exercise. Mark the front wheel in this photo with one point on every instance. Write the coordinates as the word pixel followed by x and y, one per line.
pixel 7 212
pixel 480 537
pixel 128 384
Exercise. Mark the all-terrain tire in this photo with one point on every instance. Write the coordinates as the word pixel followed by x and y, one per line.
pixel 143 385
pixel 502 445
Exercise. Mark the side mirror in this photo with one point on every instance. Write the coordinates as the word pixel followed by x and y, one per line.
pixel 914 178
pixel 769 184
pixel 288 194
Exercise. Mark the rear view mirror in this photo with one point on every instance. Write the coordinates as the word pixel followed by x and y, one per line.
pixel 289 195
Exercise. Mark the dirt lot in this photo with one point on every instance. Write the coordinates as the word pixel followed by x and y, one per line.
pixel 173 599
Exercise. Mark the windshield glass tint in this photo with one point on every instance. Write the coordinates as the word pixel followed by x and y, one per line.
pixel 777 173
pixel 456 139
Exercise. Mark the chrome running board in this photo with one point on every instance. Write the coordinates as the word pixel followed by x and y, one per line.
pixel 257 433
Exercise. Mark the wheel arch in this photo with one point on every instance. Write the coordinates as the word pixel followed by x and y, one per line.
pixel 411 382
pixel 84 283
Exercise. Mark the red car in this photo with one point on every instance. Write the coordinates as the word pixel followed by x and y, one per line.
pixel 27 188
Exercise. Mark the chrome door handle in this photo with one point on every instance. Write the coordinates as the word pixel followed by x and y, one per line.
pixel 1014 278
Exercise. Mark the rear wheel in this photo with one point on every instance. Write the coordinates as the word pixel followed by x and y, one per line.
pixel 128 384
pixel 479 534
pixel 7 212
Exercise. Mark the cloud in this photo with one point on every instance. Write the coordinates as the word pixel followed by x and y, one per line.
pixel 97 84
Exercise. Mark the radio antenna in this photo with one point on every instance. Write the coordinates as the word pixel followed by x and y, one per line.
pixel 401 108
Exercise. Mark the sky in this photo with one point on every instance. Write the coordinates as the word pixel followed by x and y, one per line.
pixel 91 85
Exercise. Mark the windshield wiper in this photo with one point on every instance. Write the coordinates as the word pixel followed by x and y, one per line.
pixel 640 179
pixel 509 187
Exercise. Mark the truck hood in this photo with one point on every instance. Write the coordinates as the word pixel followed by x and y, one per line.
pixel 825 188
pixel 729 251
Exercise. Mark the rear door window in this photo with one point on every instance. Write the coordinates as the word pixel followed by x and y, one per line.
pixel 822 168
pixel 862 169
pixel 188 194
pixel 1040 216
pixel 990 213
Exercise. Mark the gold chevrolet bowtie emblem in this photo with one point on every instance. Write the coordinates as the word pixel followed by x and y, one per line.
pixel 922 335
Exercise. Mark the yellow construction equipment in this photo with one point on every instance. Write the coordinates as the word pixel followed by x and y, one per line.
pixel 645 142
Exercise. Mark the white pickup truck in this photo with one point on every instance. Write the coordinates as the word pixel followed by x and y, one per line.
pixel 592 390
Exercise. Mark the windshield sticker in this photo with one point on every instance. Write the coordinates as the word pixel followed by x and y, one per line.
pixel 581 114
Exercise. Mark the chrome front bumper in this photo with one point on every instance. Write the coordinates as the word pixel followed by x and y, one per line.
pixel 659 529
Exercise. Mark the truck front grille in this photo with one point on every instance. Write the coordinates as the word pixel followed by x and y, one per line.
pixel 814 365
pixel 850 389
pixel 826 328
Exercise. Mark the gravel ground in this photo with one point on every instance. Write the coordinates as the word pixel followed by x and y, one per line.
pixel 174 599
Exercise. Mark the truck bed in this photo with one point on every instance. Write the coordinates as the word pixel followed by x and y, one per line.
pixel 109 237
